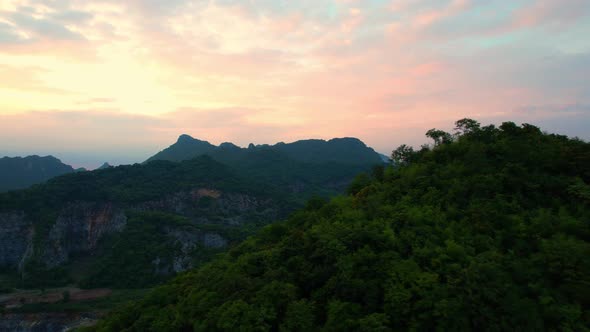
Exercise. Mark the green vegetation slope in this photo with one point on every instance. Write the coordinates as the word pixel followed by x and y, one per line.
pixel 137 225
pixel 486 230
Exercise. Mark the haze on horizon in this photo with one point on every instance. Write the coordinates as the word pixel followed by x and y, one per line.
pixel 94 81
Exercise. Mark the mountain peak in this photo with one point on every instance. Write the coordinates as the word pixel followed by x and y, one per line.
pixel 22 172
pixel 348 140
pixel 185 138
pixel 105 165
pixel 228 145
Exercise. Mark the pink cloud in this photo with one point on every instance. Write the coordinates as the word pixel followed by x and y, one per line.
pixel 550 11
pixel 430 17
pixel 245 75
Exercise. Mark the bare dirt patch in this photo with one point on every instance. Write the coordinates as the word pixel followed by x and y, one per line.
pixel 51 296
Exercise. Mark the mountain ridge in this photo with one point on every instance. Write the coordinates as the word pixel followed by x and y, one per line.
pixel 22 172
pixel 349 150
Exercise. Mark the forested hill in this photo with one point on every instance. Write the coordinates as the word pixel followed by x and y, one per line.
pixel 486 230
pixel 22 172
pixel 137 225
pixel 338 150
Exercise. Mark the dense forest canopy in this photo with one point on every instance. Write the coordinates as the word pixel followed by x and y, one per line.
pixel 487 229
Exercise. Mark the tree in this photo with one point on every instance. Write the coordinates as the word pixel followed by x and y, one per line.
pixel 378 172
pixel 466 126
pixel 439 136
pixel 402 155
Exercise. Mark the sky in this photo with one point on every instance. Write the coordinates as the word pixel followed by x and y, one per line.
pixel 117 81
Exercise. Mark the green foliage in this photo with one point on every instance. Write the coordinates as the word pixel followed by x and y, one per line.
pixel 37 275
pixel 439 136
pixel 402 155
pixel 489 232
pixel 129 259
pixel 359 182
pixel 466 126
pixel 126 184
pixel 266 175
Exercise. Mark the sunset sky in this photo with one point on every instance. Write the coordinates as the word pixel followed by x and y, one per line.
pixel 116 81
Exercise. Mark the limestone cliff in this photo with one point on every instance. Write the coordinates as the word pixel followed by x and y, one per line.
pixel 78 229
pixel 16 234
pixel 80 226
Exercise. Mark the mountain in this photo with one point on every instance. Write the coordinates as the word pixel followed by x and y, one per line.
pixel 487 230
pixel 105 165
pixel 337 150
pixel 137 225
pixel 120 212
pixel 19 173
pixel 185 148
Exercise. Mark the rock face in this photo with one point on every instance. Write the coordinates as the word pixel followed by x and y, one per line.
pixel 79 228
pixel 204 205
pixel 16 235
pixel 188 241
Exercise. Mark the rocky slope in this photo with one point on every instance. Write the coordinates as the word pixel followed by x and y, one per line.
pixel 16 239
pixel 80 226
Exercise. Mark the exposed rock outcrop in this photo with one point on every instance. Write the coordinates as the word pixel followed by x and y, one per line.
pixel 205 205
pixel 78 228
pixel 81 225
pixel 16 235
pixel 188 241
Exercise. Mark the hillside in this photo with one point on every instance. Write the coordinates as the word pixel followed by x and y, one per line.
pixel 22 172
pixel 137 225
pixel 486 230
pixel 337 150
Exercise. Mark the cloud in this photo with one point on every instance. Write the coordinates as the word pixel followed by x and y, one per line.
pixel 91 128
pixel 542 111
pixel 25 79
pixel 136 71
pixel 39 23
pixel 551 12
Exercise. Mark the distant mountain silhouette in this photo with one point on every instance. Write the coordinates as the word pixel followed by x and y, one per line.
pixel 338 150
pixel 185 148
pixel 105 165
pixel 385 158
pixel 19 172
